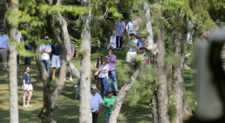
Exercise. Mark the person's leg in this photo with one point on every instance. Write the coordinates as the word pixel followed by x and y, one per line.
pixel 113 74
pixel 107 118
pixel 109 80
pixel 102 86
pixel 47 66
pixel 18 59
pixel 121 41
pixel 106 85
pixel 4 54
pixel 24 98
pixel 28 62
pixel 117 41
pixel 29 98
pixel 53 72
pixel 94 117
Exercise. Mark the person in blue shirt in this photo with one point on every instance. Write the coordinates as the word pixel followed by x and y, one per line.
pixel 45 50
pixel 143 43
pixel 4 48
pixel 27 87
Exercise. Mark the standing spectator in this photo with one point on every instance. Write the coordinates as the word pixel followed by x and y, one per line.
pixel 132 47
pixel 4 48
pixel 103 77
pixel 72 52
pixel 96 103
pixel 111 58
pixel 27 87
pixel 119 27
pixel 56 62
pixel 132 27
pixel 97 65
pixel 112 41
pixel 45 50
pixel 28 45
pixel 108 103
pixel 19 40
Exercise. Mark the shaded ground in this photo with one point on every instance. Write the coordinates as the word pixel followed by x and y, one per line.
pixel 68 110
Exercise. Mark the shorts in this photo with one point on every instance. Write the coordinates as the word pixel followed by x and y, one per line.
pixel 27 87
pixel 56 61
pixel 130 55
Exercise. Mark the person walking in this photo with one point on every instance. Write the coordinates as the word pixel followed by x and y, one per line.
pixel 111 58
pixel 56 62
pixel 27 87
pixel 108 103
pixel 103 77
pixel 96 103
pixel 4 48
pixel 45 50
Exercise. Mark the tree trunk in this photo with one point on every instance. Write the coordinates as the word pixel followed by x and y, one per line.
pixel 162 94
pixel 120 98
pixel 51 94
pixel 178 70
pixel 155 107
pixel 85 65
pixel 14 117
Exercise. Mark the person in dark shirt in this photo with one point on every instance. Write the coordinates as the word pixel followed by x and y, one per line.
pixel 56 62
pixel 27 87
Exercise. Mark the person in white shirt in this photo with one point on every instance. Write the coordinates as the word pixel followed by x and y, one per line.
pixel 112 41
pixel 45 50
pixel 119 27
pixel 102 74
pixel 95 103
pixel 132 49
pixel 4 48
pixel 132 27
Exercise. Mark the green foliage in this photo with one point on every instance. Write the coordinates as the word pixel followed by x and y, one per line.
pixel 172 107
pixel 82 53
pixel 75 10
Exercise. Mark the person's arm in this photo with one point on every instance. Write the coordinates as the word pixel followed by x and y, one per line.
pixel 105 106
pixel 73 52
pixel 24 83
pixel 100 106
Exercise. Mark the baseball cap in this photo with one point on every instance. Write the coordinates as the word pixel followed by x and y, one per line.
pixel 46 37
pixel 93 87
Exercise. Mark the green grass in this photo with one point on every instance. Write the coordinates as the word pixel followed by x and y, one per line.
pixel 68 110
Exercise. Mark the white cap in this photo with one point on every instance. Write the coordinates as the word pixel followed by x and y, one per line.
pixel 93 87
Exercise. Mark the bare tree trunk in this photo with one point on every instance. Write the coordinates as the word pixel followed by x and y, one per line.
pixel 120 98
pixel 14 117
pixel 178 70
pixel 155 107
pixel 52 94
pixel 85 110
pixel 162 94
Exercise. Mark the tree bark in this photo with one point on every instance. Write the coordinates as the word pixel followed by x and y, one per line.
pixel 85 110
pixel 178 71
pixel 120 98
pixel 162 91
pixel 14 117
pixel 155 107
